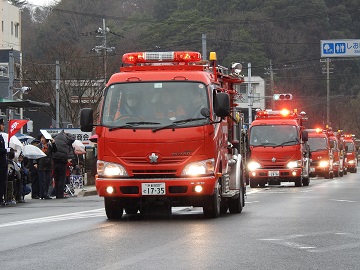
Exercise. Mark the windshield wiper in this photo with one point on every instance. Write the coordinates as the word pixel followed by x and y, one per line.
pixel 179 122
pixel 292 141
pixel 133 124
pixel 263 144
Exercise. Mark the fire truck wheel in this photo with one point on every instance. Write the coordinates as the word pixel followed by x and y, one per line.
pixel 341 174
pixel 212 204
pixel 253 183
pixel 236 204
pixel 331 175
pixel 113 208
pixel 336 174
pixel 306 181
pixel 345 171
pixel 327 175
pixel 298 181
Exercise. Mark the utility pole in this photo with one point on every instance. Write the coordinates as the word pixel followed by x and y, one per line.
pixel 204 53
pixel 104 49
pixel 250 94
pixel 272 85
pixel 57 94
pixel 328 90
pixel 11 83
pixel 327 71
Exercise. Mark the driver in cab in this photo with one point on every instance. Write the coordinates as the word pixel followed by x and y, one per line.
pixel 129 106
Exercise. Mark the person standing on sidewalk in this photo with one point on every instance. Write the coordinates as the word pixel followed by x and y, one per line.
pixel 45 165
pixel 3 163
pixel 65 151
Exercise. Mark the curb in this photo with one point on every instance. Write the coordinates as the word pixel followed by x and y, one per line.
pixel 85 193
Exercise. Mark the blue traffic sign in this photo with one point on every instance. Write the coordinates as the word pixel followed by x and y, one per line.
pixel 340 48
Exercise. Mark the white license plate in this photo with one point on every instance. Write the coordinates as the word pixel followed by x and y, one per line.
pixel 273 173
pixel 153 189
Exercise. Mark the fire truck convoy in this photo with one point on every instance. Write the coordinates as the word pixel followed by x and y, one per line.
pixel 321 158
pixel 169 135
pixel 278 149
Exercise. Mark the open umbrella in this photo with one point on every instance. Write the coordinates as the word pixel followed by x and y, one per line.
pixel 33 152
pixel 14 142
pixel 79 147
pixel 25 139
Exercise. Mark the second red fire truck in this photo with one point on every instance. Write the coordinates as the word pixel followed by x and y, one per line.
pixel 278 149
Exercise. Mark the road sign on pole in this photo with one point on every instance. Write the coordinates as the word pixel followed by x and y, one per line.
pixel 340 48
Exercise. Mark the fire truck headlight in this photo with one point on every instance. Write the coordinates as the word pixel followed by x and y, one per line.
pixel 204 167
pixel 351 161
pixel 109 169
pixel 294 164
pixel 324 163
pixel 253 165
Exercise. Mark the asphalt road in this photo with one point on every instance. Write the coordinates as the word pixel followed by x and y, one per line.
pixel 281 227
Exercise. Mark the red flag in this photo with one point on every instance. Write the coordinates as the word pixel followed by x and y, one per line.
pixel 15 125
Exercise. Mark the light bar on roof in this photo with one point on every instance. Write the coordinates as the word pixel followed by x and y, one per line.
pixel 154 57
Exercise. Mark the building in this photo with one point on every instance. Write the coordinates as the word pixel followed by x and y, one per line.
pixel 10 40
pixel 257 94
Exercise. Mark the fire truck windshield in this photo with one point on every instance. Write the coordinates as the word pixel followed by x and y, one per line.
pixel 274 135
pixel 317 144
pixel 154 104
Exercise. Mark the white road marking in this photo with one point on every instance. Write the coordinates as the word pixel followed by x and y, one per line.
pixel 343 201
pixel 78 215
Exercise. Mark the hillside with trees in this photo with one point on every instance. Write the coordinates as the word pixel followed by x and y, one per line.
pixel 285 32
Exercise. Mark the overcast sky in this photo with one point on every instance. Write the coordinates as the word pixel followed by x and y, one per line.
pixel 41 2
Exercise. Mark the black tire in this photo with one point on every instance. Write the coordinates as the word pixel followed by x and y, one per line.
pixel 332 175
pixel 327 175
pixel 341 174
pixel 212 205
pixel 306 181
pixel 114 208
pixel 298 181
pixel 253 183
pixel 236 204
pixel 345 171
pixel 336 174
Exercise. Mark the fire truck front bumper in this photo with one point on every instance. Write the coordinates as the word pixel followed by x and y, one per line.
pixel 276 173
pixel 169 187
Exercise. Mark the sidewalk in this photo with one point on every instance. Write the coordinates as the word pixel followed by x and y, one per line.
pixel 86 191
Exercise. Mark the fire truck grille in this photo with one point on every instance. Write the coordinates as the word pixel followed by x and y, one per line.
pixel 274 166
pixel 163 160
pixel 314 163
pixel 154 173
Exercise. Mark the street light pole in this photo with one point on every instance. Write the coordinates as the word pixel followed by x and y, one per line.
pixel 250 94
pixel 57 89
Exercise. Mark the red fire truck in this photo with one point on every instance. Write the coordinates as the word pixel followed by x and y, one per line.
pixel 278 149
pixel 321 159
pixel 351 153
pixel 169 135
pixel 337 150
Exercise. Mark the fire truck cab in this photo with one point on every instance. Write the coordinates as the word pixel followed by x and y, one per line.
pixel 321 158
pixel 169 135
pixel 278 149
pixel 351 153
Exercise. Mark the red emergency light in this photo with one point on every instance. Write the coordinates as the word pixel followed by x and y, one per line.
pixel 156 57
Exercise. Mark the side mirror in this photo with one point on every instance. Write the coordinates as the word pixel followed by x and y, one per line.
pixel 332 144
pixel 86 120
pixel 305 136
pixel 222 105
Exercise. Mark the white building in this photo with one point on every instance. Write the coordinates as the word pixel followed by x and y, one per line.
pixel 10 34
pixel 257 92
